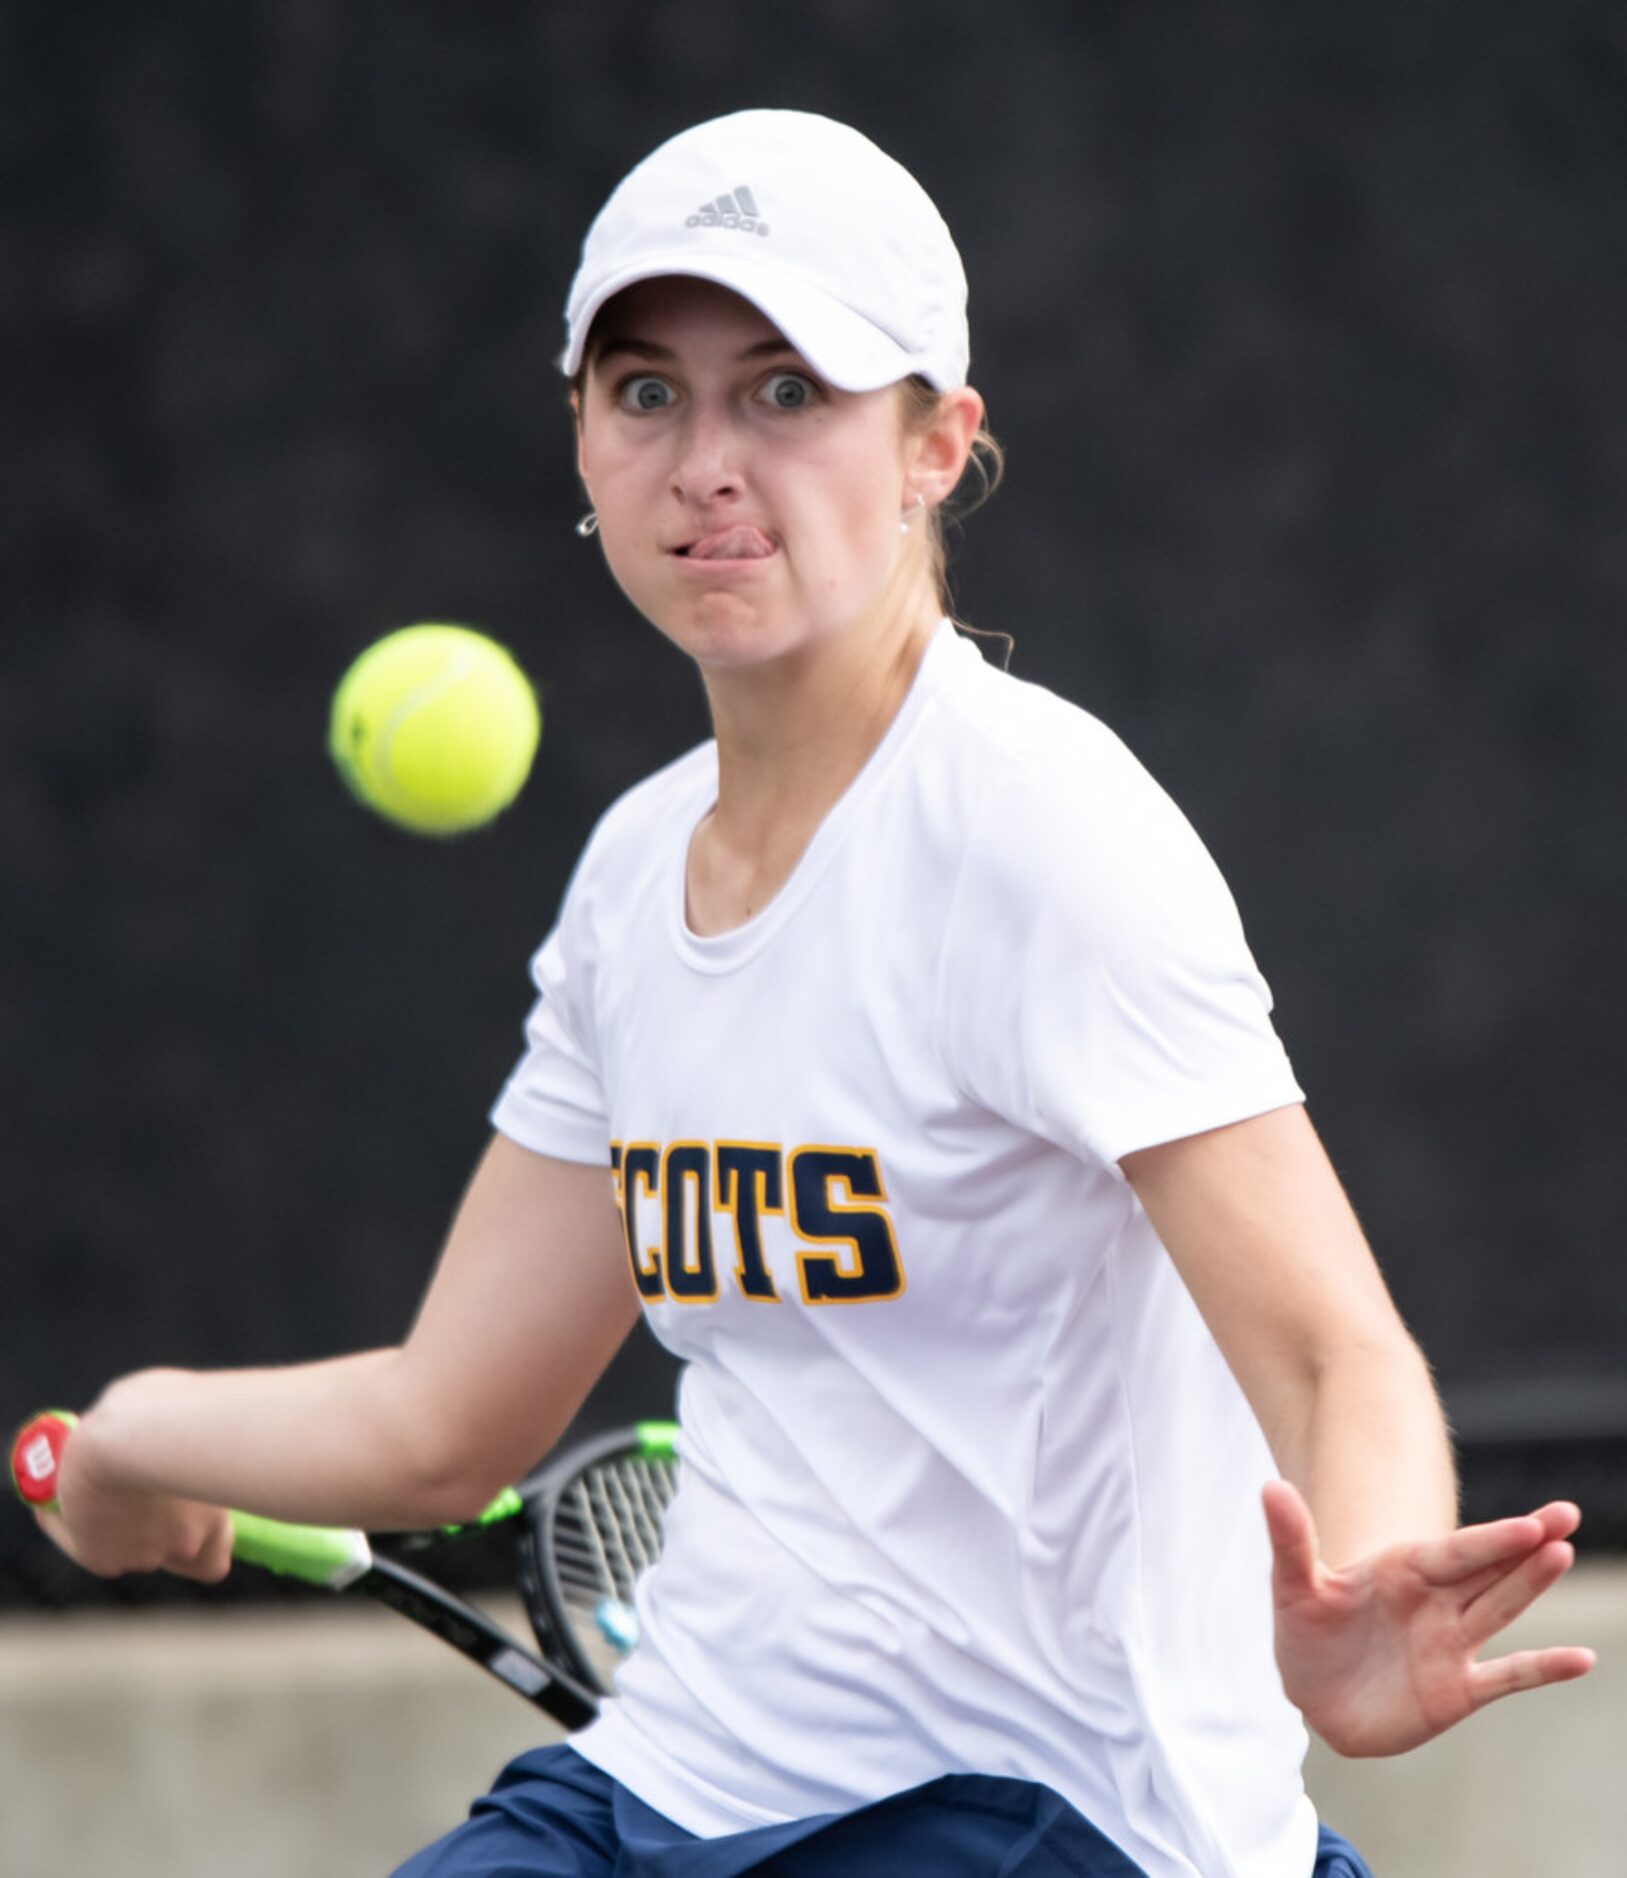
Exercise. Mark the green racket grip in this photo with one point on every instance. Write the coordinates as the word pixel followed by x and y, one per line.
pixel 332 1556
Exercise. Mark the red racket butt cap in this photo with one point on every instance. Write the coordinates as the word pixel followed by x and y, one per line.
pixel 36 1455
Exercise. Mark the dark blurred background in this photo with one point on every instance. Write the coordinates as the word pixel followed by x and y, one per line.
pixel 1303 329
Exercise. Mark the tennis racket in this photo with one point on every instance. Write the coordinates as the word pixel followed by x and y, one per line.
pixel 588 1523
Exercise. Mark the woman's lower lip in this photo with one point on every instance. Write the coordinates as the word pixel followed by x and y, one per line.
pixel 703 565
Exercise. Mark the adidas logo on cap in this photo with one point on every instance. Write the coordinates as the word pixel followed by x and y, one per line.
pixel 738 210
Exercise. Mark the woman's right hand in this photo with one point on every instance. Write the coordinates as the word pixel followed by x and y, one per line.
pixel 110 1530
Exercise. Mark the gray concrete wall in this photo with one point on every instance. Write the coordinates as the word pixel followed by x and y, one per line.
pixel 334 1740
pixel 1532 1787
pixel 279 1744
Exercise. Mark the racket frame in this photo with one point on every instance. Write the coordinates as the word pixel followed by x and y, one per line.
pixel 560 1681
pixel 651 1447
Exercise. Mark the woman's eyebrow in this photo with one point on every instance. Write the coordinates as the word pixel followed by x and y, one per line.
pixel 641 348
pixel 628 344
pixel 767 348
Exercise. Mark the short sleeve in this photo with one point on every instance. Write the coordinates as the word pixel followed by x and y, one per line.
pixel 1095 986
pixel 554 1101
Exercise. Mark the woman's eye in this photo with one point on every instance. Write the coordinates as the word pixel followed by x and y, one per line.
pixel 646 394
pixel 788 391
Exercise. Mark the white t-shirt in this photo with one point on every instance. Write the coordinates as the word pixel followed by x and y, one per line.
pixel 967 1485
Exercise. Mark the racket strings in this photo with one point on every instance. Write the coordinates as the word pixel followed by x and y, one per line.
pixel 607 1528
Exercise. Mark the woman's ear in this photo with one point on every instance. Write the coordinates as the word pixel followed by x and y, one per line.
pixel 576 415
pixel 942 446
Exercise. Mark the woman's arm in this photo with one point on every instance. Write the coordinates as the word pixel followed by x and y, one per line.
pixel 1382 1602
pixel 529 1301
pixel 1267 1243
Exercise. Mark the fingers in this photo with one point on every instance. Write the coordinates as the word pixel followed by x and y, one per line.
pixel 1295 1554
pixel 209 1557
pixel 190 1540
pixel 1501 1542
pixel 55 1529
pixel 1560 1518
pixel 1515 1590
pixel 1526 1669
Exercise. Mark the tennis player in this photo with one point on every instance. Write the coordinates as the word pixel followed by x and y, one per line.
pixel 1052 1451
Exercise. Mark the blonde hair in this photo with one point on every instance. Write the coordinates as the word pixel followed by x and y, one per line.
pixel 984 470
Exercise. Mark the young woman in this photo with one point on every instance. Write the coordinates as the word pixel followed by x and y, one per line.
pixel 1051 1444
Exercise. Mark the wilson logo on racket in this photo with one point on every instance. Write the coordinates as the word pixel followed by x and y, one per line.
pixel 36 1456
pixel 37 1460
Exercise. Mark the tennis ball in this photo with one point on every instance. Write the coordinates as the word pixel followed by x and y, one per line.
pixel 435 727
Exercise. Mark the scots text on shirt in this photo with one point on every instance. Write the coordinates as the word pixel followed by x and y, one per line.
pixel 678 1199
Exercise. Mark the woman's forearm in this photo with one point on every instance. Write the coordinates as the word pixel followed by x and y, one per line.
pixel 1371 1452
pixel 1259 1228
pixel 330 1443
pixel 530 1298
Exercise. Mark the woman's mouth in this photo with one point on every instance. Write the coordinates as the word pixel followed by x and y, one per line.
pixel 740 543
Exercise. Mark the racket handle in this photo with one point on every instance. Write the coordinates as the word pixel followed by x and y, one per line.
pixel 320 1555
pixel 36 1456
pixel 334 1556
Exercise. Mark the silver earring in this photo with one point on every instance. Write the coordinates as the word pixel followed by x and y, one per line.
pixel 904 523
pixel 589 524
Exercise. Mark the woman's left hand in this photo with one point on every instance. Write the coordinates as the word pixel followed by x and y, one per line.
pixel 1380 1655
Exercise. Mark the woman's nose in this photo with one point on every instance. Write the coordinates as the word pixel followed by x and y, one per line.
pixel 708 459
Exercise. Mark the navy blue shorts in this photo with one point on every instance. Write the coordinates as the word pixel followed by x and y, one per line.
pixel 554 1815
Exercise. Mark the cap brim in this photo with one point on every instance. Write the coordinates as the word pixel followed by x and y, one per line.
pixel 842 346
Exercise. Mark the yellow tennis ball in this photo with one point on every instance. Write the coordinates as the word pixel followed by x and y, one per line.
pixel 435 727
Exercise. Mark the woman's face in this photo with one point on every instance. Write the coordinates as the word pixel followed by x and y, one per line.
pixel 746 508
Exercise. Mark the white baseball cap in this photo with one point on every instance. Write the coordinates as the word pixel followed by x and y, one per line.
pixel 832 241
